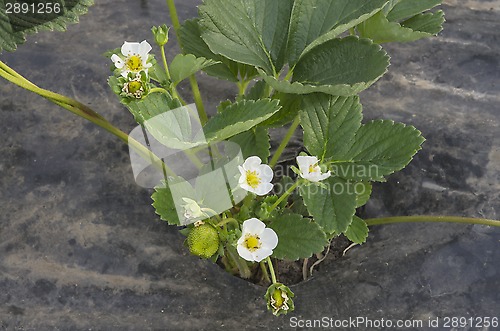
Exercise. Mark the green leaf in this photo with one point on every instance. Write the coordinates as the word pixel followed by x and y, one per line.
pixel 254 142
pixel 357 231
pixel 314 22
pixel 407 8
pixel 381 30
pixel 15 27
pixel 183 66
pixel 298 237
pixel 239 117
pixel 381 148
pixel 350 62
pixel 299 88
pixel 290 107
pixel 363 192
pixel 164 204
pixel 192 43
pixel 253 32
pixel 152 105
pixel 157 73
pixel 257 91
pixel 330 124
pixel 332 206
pixel 431 23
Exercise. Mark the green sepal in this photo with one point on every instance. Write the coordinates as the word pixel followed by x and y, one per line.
pixel 279 299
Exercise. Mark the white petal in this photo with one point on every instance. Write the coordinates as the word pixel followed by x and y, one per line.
pixel 325 175
pixel 261 253
pixel 246 187
pixel 144 48
pixel 266 173
pixel 117 61
pixel 305 161
pixel 263 188
pixel 269 238
pixel 130 48
pixel 253 226
pixel 242 171
pixel 245 253
pixel 252 162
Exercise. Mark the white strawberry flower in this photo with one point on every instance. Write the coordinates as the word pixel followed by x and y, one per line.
pixel 134 58
pixel 310 170
pixel 192 209
pixel 256 177
pixel 256 242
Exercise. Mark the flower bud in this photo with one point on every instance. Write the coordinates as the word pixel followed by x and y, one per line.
pixel 203 241
pixel 161 34
pixel 279 299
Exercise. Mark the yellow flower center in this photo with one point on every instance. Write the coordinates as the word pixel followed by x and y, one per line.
pixel 134 63
pixel 134 86
pixel 253 179
pixel 252 243
pixel 312 168
pixel 278 299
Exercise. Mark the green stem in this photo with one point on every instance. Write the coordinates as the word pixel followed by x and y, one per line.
pixel 288 75
pixel 173 88
pixel 229 220
pixel 242 266
pixel 158 90
pixel 271 270
pixel 83 111
pixel 165 64
pixel 192 79
pixel 431 219
pixel 285 142
pixel 264 272
pixel 242 87
pixel 284 196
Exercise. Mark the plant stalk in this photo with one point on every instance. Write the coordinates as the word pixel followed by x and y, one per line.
pixel 83 111
pixel 271 269
pixel 431 219
pixel 284 195
pixel 192 79
pixel 285 142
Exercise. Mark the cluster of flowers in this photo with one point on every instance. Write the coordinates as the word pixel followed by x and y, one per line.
pixel 132 69
pixel 257 242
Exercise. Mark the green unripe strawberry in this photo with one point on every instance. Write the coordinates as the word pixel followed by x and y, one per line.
pixel 203 241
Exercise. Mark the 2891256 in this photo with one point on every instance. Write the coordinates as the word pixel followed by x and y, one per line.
pixel 15 7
